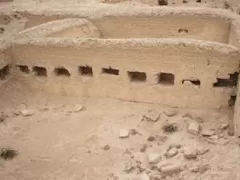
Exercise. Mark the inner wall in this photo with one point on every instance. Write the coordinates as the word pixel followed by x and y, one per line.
pixel 191 27
pixel 141 73
pixel 170 26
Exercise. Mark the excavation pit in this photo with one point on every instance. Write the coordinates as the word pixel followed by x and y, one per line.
pixel 113 79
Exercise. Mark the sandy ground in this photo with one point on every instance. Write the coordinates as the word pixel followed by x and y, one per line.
pixel 57 143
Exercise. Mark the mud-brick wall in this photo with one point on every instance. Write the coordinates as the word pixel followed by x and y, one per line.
pixel 173 73
pixel 189 26
pixel 237 112
pixel 169 26
pixel 234 35
pixel 234 39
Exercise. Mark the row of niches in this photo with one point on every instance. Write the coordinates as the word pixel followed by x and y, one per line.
pixel 164 78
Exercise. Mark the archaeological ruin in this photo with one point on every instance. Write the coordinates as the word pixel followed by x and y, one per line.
pixel 178 57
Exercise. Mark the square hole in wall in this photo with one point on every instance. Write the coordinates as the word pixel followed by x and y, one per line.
pixel 39 71
pixel 4 72
pixel 232 101
pixel 227 82
pixel 61 71
pixel 166 78
pixel 85 70
pixel 110 71
pixel 24 69
pixel 162 2
pixel 136 76
pixel 195 82
pixel 182 30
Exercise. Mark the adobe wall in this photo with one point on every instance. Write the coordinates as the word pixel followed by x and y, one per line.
pixel 234 39
pixel 189 27
pixel 186 60
pixel 237 112
pixel 39 16
pixel 69 28
pixel 128 57
pixel 153 23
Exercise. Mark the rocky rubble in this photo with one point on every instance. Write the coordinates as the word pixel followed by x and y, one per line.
pixel 154 166
pixel 153 163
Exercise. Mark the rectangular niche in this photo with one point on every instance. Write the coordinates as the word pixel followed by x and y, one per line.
pixel 227 82
pixel 166 78
pixel 61 71
pixel 85 70
pixel 136 76
pixel 194 82
pixel 40 71
pixel 110 71
pixel 23 69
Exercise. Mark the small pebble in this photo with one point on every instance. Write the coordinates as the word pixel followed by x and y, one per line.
pixel 133 132
pixel 154 158
pixel 204 168
pixel 155 176
pixel 151 116
pixel 170 112
pixel 142 176
pixel 193 128
pixel 77 108
pixel 223 126
pixel 162 164
pixel 190 152
pixel 207 132
pixel 172 152
pixel 175 146
pixel 151 138
pixel 221 135
pixel 106 147
pixel 27 112
pixel 194 169
pixel 129 167
pixel 170 170
pixel 201 150
pixel 214 137
pixel 142 158
pixel 124 133
pixel 143 148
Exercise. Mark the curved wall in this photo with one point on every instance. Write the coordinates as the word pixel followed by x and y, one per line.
pixel 69 28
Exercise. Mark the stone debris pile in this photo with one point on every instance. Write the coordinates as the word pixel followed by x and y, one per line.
pixel 156 161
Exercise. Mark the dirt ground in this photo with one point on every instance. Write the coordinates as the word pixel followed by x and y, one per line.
pixel 56 141
pixel 111 139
